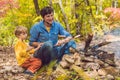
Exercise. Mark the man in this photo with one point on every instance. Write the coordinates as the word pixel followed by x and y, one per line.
pixel 46 34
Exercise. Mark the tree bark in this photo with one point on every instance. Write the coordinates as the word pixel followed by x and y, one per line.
pixel 65 17
pixel 50 3
pixel 88 4
pixel 36 7
pixel 78 23
pixel 87 42
pixel 114 3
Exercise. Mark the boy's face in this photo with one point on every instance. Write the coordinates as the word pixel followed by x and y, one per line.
pixel 23 36
pixel 49 18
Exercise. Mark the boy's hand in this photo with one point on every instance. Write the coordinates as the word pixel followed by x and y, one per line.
pixel 29 48
pixel 39 46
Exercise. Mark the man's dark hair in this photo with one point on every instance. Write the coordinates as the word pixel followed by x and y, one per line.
pixel 46 10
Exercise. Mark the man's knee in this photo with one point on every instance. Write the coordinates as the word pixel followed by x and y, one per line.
pixel 48 45
pixel 72 44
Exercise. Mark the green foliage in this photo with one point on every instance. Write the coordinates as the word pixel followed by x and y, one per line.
pixel 81 72
pixel 23 15
pixel 117 78
pixel 50 67
pixel 82 17
pixel 43 2
pixel 6 33
pixel 62 77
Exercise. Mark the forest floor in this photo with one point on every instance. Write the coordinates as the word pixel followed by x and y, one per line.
pixel 9 70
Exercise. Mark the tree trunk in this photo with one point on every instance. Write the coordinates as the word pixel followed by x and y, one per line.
pixel 87 42
pixel 114 3
pixel 36 7
pixel 65 17
pixel 78 23
pixel 50 3
pixel 88 4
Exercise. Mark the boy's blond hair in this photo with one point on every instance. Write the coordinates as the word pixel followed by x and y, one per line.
pixel 19 30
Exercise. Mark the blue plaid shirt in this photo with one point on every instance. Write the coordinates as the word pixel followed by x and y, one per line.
pixel 39 33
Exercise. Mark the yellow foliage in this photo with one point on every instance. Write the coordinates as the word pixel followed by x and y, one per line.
pixel 62 77
pixel 81 72
pixel 37 18
pixel 50 67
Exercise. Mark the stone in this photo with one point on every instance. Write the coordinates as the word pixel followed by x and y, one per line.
pixel 76 55
pixel 110 62
pixel 110 77
pixel 92 74
pixel 64 64
pixel 14 71
pixel 70 60
pixel 117 62
pixel 7 68
pixel 87 59
pixel 2 71
pixel 102 72
pixel 78 62
pixel 111 70
pixel 92 66
pixel 101 63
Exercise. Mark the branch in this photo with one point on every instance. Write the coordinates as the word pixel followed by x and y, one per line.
pixel 65 17
pixel 36 7
pixel 91 12
pixel 50 3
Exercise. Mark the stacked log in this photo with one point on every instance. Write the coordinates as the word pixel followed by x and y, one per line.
pixel 99 65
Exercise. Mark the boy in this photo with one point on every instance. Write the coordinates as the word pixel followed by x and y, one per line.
pixel 23 51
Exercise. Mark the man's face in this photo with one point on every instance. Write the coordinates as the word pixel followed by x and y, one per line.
pixel 49 18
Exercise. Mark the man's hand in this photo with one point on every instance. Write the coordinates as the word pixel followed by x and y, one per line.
pixel 60 42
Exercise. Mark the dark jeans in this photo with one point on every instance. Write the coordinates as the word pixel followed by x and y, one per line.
pixel 49 52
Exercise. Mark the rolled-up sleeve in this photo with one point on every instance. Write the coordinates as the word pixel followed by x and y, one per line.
pixel 62 31
pixel 33 34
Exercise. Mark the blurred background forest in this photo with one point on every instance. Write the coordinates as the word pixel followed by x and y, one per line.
pixel 77 16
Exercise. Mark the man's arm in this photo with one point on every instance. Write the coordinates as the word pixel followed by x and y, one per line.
pixel 34 36
pixel 63 32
